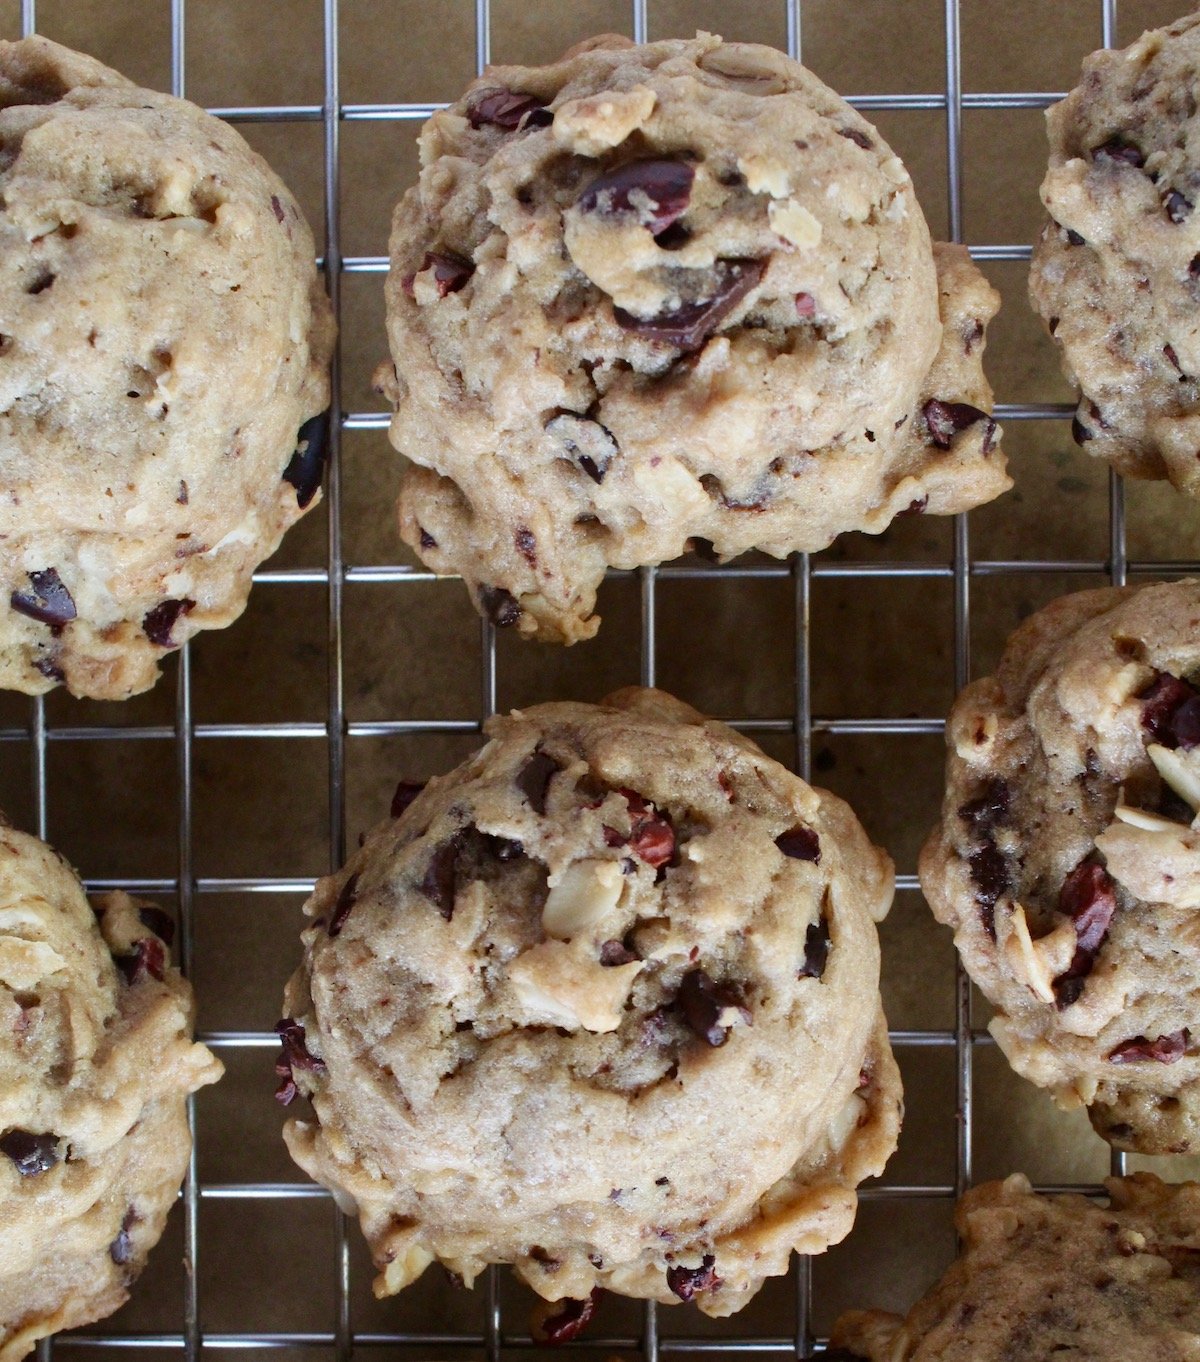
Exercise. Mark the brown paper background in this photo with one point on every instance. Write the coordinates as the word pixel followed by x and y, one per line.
pixel 412 650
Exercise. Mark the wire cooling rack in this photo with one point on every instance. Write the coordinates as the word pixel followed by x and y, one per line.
pixel 500 1331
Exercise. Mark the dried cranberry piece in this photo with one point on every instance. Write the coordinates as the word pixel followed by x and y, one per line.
pixel 1177 207
pixel 1171 711
pixel 500 606
pixel 533 779
pixel 1165 1049
pixel 49 602
pixel 346 899
pixel 294 1055
pixel 450 271
pixel 1089 898
pixel 502 109
pixel 806 305
pixel 149 957
pixel 1117 149
pixel 121 1248
pixel 800 844
pixel 406 792
pixel 702 1002
pixel 526 545
pixel 31 1154
pixel 687 1282
pixel 277 209
pixel 440 883
pixel 860 139
pixel 160 923
pixel 946 419
pixel 158 624
pixel 306 467
pixel 555 1322
pixel 617 953
pixel 816 950
pixel 651 835
pixel 1172 358
pixel 689 326
pixel 656 191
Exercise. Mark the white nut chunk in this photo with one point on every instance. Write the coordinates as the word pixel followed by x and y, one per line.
pixel 794 223
pixel 1140 818
pixel 586 892
pixel 1155 865
pixel 558 985
pixel 1180 769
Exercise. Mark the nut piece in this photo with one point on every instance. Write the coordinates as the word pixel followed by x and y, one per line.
pixel 1158 866
pixel 1039 962
pixel 594 123
pixel 1140 818
pixel 586 892
pixel 794 223
pixel 1180 768
pixel 558 985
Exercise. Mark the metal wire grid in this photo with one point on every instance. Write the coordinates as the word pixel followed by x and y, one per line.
pixel 335 730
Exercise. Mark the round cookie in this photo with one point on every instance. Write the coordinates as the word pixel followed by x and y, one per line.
pixel 659 297
pixel 96 1062
pixel 1068 856
pixel 602 1003
pixel 163 337
pixel 1053 1276
pixel 1116 272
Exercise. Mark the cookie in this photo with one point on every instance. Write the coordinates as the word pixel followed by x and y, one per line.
pixel 96 1062
pixel 602 1003
pixel 1116 271
pixel 666 297
pixel 1054 1276
pixel 1068 856
pixel 163 338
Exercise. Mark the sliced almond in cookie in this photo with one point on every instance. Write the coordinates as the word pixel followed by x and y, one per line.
pixel 1139 818
pixel 1024 958
pixel 1156 865
pixel 1180 768
pixel 586 892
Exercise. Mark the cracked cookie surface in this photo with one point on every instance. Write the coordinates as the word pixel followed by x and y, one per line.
pixel 1116 272
pixel 165 337
pixel 651 296
pixel 96 1062
pixel 1068 856
pixel 1053 1276
pixel 602 1003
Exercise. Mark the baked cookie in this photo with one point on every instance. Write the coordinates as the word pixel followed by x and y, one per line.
pixel 651 296
pixel 163 337
pixel 602 1003
pixel 96 1062
pixel 1116 272
pixel 1068 856
pixel 1054 1276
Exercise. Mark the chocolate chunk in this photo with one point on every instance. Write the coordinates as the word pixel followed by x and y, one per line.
pixel 1177 207
pixel 450 271
pixel 945 419
pixel 441 875
pixel 587 442
pixel 502 848
pixel 990 808
pixel 800 843
pixel 916 506
pixel 533 779
pixel 406 792
pixel 689 326
pixel 1074 238
pixel 1194 267
pixel 1172 806
pixel 816 950
pixel 158 624
pixel 427 540
pixel 294 1055
pixel 346 900
pixel 555 1322
pixel 651 835
pixel 617 953
pixel 655 191
pixel 500 606
pixel 149 957
pixel 49 669
pixel 307 465
pixel 160 923
pixel 703 1002
pixel 860 139
pixel 687 1282
pixel 1089 898
pixel 992 877
pixel 1171 711
pixel 674 238
pixel 1117 149
pixel 49 602
pixel 1164 1049
pixel 31 1154
pixel 121 1248
pixel 526 546
pixel 503 109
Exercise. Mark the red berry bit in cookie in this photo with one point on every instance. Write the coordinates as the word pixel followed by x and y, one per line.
pixel 560 1321
pixel 688 1282
pixel 1089 899
pixel 294 1055
pixel 506 109
pixel 49 601
pixel 656 192
pixel 149 957
pixel 1165 1049
pixel 689 326
pixel 1171 711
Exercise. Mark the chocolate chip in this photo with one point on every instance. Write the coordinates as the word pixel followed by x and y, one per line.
pixel 1052 325
pixel 502 109
pixel 754 502
pixel 1074 238
pixel 1172 806
pixel 674 238
pixel 655 191
pixel 860 139
pixel 406 792
pixel 1194 267
pixel 916 506
pixel 49 669
pixel 121 1248
pixel 990 808
pixel 502 848
pixel 617 953
pixel 800 843
pixel 1171 711
pixel 587 442
pixel 555 1322
pixel 1089 898
pixel 439 884
pixel 450 271
pixel 427 540
pixel 1164 1049
pixel 1177 207
pixel 31 1154
pixel 651 835
pixel 158 624
pixel 1117 149
pixel 816 950
pixel 1079 432
pixel 687 1282
pixel 703 1002
pixel 160 923
pixel 346 900
pixel 49 602
pixel 500 606
pixel 182 497
pixel 294 1055
pixel 43 281
pixel 149 957
pixel 533 779
pixel 690 325
pixel 946 419
pixel 526 546
pixel 307 465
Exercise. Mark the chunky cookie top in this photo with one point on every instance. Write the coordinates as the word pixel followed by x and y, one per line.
pixel 649 296
pixel 603 1002
pixel 1068 856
